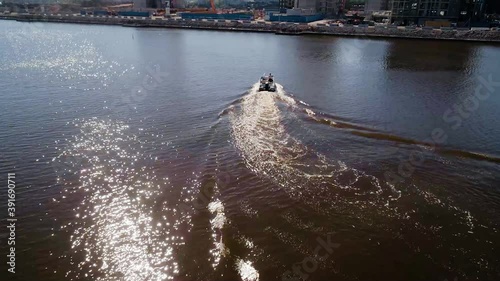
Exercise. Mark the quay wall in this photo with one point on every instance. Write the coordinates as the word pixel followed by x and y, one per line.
pixel 492 35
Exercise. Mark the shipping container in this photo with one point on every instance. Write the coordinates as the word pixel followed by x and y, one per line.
pixel 101 13
pixel 233 16
pixel 295 18
pixel 133 14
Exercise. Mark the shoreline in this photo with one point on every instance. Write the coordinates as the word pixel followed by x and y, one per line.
pixel 290 29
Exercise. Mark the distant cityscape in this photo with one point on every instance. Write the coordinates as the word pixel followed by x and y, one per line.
pixel 396 12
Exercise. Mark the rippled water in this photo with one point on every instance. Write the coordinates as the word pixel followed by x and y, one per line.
pixel 149 154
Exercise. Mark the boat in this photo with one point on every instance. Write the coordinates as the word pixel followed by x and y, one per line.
pixel 267 83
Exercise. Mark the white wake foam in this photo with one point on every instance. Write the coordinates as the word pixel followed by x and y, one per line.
pixel 269 150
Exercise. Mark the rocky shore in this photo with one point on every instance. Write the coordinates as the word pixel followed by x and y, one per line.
pixel 274 27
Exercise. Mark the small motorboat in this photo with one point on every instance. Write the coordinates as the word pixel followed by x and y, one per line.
pixel 267 83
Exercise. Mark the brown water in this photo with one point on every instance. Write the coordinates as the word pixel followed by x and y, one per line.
pixel 148 154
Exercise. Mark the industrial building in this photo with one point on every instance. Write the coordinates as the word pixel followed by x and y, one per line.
pixel 147 4
pixel 420 11
pixel 375 5
pixel 328 7
pixel 306 4
pixel 473 10
pixel 301 11
pixel 286 4
pixel 492 6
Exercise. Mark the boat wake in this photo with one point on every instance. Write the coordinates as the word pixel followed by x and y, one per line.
pixel 269 150
pixel 332 188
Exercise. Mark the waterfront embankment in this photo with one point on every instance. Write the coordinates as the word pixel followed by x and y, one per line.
pixel 460 34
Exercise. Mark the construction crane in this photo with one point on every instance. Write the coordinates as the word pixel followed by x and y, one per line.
pixel 212 4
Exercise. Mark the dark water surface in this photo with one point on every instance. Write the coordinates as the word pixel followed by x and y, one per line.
pixel 148 154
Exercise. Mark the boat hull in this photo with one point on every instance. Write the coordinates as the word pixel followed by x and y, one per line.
pixel 267 88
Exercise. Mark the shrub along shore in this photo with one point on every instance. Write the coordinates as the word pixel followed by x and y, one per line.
pixel 274 27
